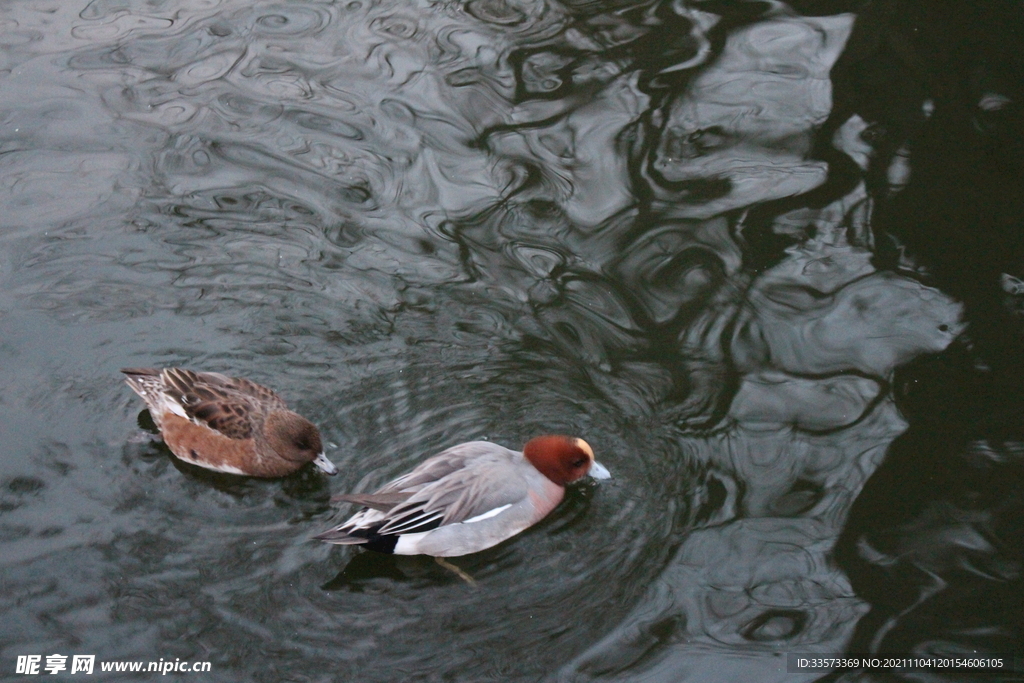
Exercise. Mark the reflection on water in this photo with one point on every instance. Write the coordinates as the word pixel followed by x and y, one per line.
pixel 681 230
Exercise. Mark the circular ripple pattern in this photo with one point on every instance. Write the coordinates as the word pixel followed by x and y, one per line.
pixel 429 223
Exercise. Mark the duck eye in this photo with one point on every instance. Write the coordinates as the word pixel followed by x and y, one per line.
pixel 579 463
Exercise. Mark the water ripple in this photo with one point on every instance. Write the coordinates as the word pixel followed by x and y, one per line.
pixel 428 223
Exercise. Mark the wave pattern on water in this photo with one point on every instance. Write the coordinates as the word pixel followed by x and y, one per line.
pixel 425 223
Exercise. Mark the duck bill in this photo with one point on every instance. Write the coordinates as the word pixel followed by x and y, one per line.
pixel 326 465
pixel 599 471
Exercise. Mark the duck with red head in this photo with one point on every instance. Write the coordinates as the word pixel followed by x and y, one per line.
pixel 467 498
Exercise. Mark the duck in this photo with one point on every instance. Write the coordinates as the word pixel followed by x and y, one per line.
pixel 467 498
pixel 227 424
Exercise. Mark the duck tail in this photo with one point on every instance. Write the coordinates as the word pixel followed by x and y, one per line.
pixel 339 537
pixel 364 536
pixel 141 372
pixel 144 381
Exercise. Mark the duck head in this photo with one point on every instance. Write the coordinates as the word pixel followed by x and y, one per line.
pixel 563 459
pixel 295 438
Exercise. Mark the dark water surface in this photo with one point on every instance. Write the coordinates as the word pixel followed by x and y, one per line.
pixel 750 251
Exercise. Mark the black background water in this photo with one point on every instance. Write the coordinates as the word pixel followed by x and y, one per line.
pixel 765 258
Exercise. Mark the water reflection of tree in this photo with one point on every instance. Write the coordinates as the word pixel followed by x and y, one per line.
pixel 784 245
pixel 933 543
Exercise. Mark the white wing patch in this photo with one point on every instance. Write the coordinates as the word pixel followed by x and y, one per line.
pixel 173 406
pixel 225 468
pixel 487 515
pixel 218 468
pixel 408 544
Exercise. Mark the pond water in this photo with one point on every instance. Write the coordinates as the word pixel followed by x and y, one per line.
pixel 763 257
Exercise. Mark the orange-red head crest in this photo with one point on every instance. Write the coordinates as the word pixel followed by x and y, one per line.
pixel 562 459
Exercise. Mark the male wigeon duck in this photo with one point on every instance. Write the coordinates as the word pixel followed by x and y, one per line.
pixel 227 424
pixel 467 498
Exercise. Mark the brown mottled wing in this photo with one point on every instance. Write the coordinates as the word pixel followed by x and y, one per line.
pixel 264 396
pixel 225 404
